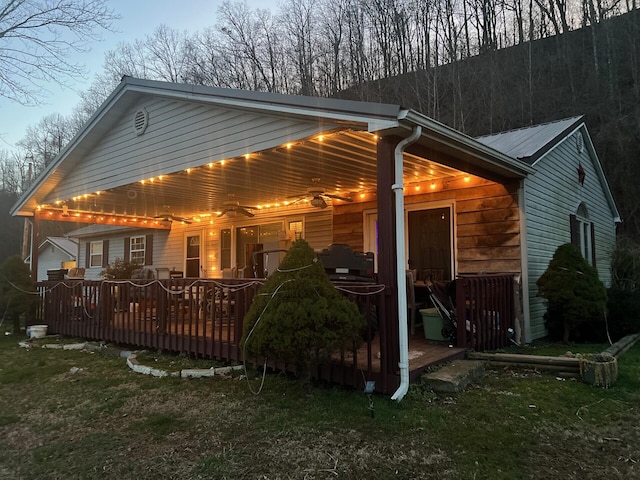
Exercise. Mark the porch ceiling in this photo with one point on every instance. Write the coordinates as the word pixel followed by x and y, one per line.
pixel 339 163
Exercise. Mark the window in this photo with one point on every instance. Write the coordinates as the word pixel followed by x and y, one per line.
pixel 225 248
pixel 296 226
pixel 237 247
pixel 583 234
pixel 137 250
pixel 95 254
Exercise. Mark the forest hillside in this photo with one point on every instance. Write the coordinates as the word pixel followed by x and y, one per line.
pixel 593 71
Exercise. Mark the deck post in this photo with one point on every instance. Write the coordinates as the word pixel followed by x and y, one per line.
pixel 35 243
pixel 387 253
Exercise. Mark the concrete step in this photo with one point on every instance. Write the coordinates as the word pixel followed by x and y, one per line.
pixel 454 376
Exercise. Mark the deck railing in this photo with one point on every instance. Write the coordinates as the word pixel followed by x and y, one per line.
pixel 485 311
pixel 204 317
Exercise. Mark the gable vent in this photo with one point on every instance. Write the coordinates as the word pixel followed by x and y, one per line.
pixel 579 141
pixel 140 121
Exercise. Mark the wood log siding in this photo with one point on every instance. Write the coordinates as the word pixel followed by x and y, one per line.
pixel 487 221
pixel 348 224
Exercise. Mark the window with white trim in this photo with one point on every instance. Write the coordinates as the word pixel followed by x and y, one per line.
pixel 95 254
pixel 582 233
pixel 137 249
pixel 296 226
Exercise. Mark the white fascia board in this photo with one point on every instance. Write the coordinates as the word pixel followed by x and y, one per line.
pixel 276 108
pixel 455 139
pixel 18 208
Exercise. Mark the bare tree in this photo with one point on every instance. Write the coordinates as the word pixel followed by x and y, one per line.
pixel 249 38
pixel 10 176
pixel 90 100
pixel 298 18
pixel 38 38
pixel 45 140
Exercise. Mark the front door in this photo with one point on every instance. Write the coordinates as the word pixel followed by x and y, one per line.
pixel 192 260
pixel 430 245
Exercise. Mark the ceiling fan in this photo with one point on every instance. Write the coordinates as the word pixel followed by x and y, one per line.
pixel 318 196
pixel 170 217
pixel 231 208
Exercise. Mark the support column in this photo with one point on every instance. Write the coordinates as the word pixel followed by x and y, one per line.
pixel 35 242
pixel 387 251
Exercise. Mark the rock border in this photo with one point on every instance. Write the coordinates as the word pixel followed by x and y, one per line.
pixel 132 361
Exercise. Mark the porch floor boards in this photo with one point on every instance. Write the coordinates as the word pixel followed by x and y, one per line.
pixel 423 353
pixel 221 330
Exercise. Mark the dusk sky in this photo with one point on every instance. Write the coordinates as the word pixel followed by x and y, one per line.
pixel 139 19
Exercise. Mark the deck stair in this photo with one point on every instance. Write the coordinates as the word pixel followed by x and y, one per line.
pixel 454 376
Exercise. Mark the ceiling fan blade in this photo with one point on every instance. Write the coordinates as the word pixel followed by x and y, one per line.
pixel 337 197
pixel 245 212
pixel 168 217
pixel 298 199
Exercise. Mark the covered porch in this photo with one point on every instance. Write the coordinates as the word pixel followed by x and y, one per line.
pixel 211 176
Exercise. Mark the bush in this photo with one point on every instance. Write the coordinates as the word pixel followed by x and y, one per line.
pixel 624 294
pixel 298 316
pixel 624 312
pixel 625 264
pixel 576 298
pixel 16 302
pixel 120 269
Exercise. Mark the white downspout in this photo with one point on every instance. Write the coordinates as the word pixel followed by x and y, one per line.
pixel 401 265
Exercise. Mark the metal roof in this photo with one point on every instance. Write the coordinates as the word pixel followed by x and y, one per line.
pixel 67 245
pixel 530 143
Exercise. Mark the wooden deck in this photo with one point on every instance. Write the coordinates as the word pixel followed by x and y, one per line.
pixel 203 317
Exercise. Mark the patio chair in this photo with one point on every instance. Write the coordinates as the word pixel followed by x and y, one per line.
pixel 76 273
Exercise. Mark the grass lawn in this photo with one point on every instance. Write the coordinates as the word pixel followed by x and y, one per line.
pixel 104 421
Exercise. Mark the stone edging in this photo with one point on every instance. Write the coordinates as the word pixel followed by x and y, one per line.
pixel 134 365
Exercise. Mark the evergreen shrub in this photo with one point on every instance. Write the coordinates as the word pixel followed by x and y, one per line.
pixel 576 298
pixel 298 316
pixel 16 304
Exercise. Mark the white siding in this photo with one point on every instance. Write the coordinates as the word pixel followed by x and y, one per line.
pixel 551 195
pixel 180 134
pixel 51 258
pixel 116 250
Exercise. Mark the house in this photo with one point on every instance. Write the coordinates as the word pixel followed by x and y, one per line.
pixel 567 199
pixel 55 253
pixel 216 183
pixel 100 245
